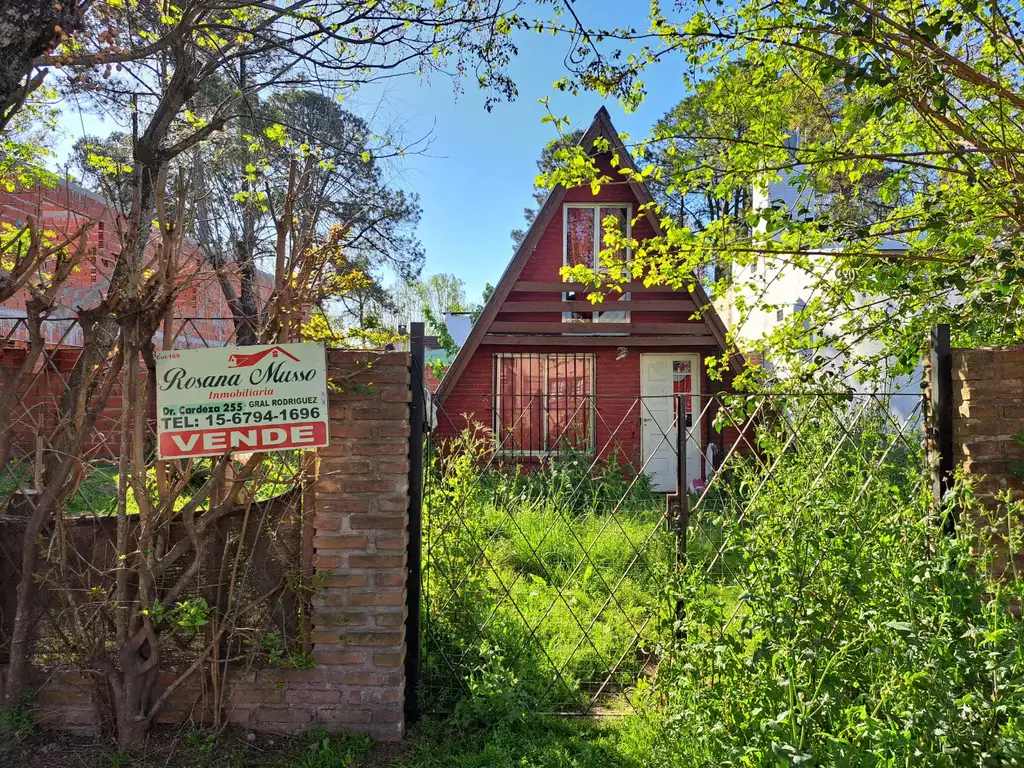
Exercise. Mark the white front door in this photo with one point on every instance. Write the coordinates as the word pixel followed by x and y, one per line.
pixel 663 377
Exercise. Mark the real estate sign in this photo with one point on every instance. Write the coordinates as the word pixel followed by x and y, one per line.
pixel 210 402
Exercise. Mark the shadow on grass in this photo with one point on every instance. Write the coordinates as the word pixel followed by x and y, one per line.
pixel 533 742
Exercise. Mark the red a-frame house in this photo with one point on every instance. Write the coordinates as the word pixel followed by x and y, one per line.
pixel 548 372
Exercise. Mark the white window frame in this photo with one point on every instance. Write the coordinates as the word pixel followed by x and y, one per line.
pixel 498 443
pixel 567 317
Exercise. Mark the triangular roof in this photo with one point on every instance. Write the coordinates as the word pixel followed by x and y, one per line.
pixel 601 127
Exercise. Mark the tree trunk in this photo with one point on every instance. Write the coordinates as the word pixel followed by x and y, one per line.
pixel 248 320
pixel 132 696
pixel 78 413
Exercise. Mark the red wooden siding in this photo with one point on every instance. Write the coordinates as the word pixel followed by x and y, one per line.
pixel 546 261
pixel 617 393
pixel 472 397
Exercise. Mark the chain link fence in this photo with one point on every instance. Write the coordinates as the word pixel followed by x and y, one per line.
pixel 249 594
pixel 558 559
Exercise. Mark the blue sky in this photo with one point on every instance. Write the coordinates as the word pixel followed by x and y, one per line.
pixel 476 175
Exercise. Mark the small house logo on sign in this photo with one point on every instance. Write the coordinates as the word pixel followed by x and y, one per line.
pixel 211 402
pixel 244 361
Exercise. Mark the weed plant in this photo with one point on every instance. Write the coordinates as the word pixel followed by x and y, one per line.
pixel 543 585
pixel 828 621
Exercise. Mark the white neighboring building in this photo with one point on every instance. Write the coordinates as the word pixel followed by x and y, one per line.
pixel 782 291
pixel 459 325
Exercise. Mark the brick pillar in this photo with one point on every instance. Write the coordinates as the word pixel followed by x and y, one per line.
pixel 360 541
pixel 988 409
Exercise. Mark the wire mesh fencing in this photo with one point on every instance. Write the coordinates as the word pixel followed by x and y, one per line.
pixel 35 410
pixel 247 591
pixel 557 549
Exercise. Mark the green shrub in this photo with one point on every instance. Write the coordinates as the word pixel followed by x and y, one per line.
pixel 829 622
pixel 16 724
pixel 320 749
pixel 534 742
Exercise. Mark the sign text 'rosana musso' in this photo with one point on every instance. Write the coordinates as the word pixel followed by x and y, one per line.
pixel 215 401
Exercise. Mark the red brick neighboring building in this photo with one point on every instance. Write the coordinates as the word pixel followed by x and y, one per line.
pixel 202 315
pixel 548 373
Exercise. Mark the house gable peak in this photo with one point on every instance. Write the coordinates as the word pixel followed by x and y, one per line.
pixel 601 126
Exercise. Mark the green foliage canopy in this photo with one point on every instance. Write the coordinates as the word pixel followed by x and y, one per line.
pixel 919 102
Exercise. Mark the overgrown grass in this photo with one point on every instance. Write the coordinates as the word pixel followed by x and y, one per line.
pixel 826 618
pixel 536 742
pixel 545 591
pixel 97 492
pixel 320 749
pixel 830 622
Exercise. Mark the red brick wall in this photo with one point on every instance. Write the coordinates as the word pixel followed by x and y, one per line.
pixel 36 408
pixel 202 316
pixel 359 539
pixel 988 409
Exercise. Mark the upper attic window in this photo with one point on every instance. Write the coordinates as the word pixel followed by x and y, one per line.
pixel 582 245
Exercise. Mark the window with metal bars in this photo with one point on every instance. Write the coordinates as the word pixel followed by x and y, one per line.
pixel 544 403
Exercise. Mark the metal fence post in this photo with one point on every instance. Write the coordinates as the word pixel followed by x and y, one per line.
pixel 417 417
pixel 681 516
pixel 940 416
